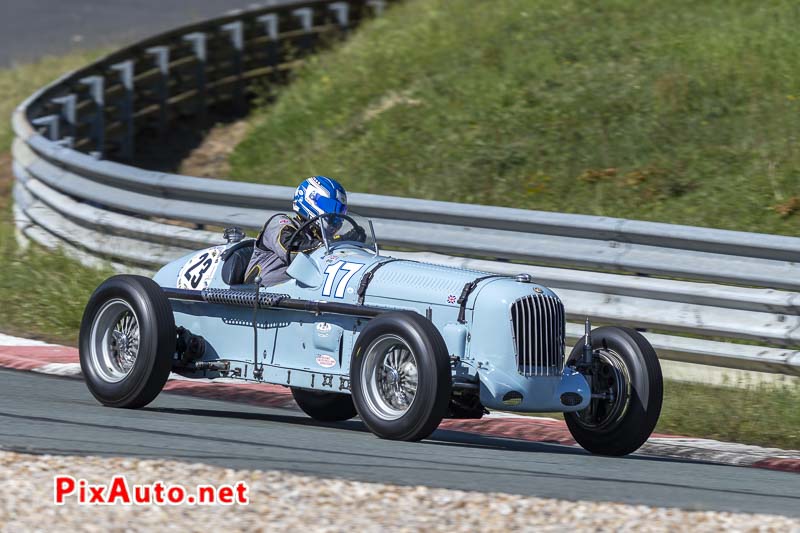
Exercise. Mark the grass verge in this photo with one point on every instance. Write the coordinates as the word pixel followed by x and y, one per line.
pixel 42 294
pixel 678 111
pixel 766 415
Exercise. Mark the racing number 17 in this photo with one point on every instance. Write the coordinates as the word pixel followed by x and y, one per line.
pixel 330 277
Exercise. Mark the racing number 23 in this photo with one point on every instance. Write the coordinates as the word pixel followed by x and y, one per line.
pixel 330 277
pixel 205 261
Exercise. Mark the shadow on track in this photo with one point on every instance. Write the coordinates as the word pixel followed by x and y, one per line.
pixel 441 437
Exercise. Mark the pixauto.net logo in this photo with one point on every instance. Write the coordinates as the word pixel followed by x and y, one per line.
pixel 120 492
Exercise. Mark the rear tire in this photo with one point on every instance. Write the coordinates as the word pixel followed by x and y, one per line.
pixel 325 406
pixel 400 376
pixel 127 341
pixel 630 369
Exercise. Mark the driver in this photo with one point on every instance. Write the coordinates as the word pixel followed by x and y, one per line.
pixel 279 243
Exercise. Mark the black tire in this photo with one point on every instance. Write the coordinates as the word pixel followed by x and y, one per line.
pixel 141 383
pixel 325 406
pixel 434 383
pixel 626 427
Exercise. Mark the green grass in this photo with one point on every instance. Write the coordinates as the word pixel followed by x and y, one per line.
pixel 42 294
pixel 685 112
pixel 765 415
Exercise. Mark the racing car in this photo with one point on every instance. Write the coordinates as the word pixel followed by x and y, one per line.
pixel 402 344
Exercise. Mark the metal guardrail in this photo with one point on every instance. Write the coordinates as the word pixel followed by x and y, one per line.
pixel 74 190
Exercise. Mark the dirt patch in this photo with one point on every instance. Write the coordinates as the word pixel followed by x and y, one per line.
pixel 210 158
pixel 789 207
pixel 392 99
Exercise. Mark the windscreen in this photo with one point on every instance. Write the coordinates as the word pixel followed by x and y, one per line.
pixel 351 228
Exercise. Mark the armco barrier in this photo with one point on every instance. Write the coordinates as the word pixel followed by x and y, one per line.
pixel 77 188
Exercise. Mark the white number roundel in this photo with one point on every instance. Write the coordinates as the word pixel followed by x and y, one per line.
pixel 198 271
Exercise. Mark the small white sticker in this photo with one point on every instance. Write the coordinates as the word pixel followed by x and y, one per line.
pixel 325 361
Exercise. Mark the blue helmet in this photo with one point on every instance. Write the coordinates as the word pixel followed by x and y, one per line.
pixel 319 195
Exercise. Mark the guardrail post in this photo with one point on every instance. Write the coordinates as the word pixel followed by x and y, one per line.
pixel 68 114
pixel 125 69
pixel 198 40
pixel 270 23
pixel 378 6
pixel 66 142
pixel 51 122
pixel 161 58
pixel 342 12
pixel 306 17
pixel 96 91
pixel 236 31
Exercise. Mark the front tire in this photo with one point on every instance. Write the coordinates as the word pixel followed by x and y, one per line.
pixel 400 376
pixel 628 371
pixel 127 341
pixel 325 406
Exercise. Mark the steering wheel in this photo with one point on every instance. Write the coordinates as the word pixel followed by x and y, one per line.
pixel 307 223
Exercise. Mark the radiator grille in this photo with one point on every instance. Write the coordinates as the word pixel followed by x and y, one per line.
pixel 538 324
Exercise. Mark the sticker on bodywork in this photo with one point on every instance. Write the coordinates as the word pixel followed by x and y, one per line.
pixel 325 361
pixel 198 271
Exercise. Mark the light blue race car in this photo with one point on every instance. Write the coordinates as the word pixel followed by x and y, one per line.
pixel 402 344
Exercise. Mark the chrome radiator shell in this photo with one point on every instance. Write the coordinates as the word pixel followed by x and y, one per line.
pixel 538 324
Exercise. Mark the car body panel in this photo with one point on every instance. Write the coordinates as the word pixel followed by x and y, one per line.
pixel 302 349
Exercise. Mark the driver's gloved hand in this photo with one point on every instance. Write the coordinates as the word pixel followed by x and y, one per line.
pixel 356 234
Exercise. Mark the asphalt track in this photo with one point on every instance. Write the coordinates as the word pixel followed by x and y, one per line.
pixel 30 29
pixel 46 414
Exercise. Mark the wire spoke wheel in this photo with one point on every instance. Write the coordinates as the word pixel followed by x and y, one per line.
pixel 115 340
pixel 391 376
pixel 127 341
pixel 400 376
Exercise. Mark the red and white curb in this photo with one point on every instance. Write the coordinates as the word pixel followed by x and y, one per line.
pixel 35 356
